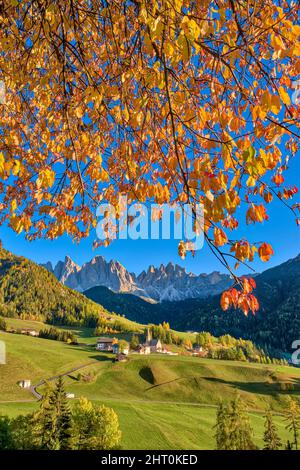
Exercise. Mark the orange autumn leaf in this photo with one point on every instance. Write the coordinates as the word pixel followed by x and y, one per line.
pixel 242 299
pixel 220 237
pixel 226 300
pixel 144 99
pixel 256 213
pixel 278 179
pixel 265 251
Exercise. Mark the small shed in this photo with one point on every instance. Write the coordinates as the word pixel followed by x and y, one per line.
pixel 121 357
pixel 29 332
pixel 24 383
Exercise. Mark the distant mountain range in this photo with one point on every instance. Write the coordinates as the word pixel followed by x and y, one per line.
pixel 29 291
pixel 166 283
pixel 277 322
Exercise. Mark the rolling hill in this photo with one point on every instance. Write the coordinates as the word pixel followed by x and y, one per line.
pixel 171 401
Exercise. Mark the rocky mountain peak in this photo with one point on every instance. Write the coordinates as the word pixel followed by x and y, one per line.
pixel 166 282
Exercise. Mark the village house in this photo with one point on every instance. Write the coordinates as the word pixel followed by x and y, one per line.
pixel 29 332
pixel 143 349
pixel 106 344
pixel 150 345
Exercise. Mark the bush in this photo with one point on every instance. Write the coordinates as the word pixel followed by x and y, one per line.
pixel 3 325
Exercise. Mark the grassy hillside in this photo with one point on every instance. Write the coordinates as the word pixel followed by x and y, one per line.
pixel 28 291
pixel 170 400
pixel 34 359
pixel 156 426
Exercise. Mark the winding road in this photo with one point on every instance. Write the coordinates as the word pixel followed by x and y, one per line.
pixel 34 388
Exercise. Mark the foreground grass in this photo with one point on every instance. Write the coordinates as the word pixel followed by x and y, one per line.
pixel 157 426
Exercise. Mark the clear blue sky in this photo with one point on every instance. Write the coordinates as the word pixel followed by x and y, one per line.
pixel 281 231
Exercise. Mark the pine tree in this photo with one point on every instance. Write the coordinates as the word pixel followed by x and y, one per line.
pixel 221 426
pixel 233 428
pixel 293 421
pixel 271 439
pixel 241 432
pixel 6 441
pixel 63 417
pixel 288 446
pixel 43 425
pixel 52 423
pixel 134 342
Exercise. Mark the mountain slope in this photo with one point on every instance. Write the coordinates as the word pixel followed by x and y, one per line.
pixel 29 291
pixel 277 322
pixel 133 307
pixel 166 283
pixel 173 283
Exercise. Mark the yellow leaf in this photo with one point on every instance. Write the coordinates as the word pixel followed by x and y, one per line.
pixel 126 113
pixel 16 224
pixel 46 178
pixel 13 205
pixel 2 161
pixel 16 168
pixel 275 104
pixel 251 181
pixel 284 96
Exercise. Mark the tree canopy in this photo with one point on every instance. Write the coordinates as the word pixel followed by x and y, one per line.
pixel 165 101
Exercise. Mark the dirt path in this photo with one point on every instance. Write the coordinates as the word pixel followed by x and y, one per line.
pixel 39 396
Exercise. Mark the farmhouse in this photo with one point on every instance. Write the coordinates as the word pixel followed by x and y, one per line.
pixel 29 332
pixel 143 349
pixel 105 344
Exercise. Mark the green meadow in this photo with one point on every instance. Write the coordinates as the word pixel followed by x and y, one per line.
pixel 163 402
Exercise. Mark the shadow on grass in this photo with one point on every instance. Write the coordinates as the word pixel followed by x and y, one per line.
pixel 146 374
pixel 103 358
pixel 263 388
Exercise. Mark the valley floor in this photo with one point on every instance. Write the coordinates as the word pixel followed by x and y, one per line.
pixel 162 402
